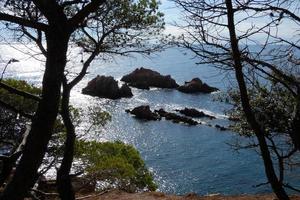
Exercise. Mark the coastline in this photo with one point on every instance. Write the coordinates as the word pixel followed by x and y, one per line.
pixel 120 195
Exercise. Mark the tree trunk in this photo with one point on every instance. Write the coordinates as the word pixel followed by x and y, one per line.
pixel 258 130
pixel 42 124
pixel 8 163
pixel 295 132
pixel 260 135
pixel 64 184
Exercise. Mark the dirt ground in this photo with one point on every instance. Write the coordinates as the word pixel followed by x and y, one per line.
pixel 119 195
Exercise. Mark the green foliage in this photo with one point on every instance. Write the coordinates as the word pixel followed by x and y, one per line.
pixel 126 25
pixel 273 107
pixel 11 130
pixel 12 127
pixel 116 163
pixel 96 117
pixel 19 102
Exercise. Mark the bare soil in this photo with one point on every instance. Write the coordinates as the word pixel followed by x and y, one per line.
pixel 120 195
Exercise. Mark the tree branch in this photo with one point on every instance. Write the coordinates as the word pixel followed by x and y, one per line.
pixel 9 107
pixel 83 13
pixel 37 40
pixel 23 22
pixel 19 92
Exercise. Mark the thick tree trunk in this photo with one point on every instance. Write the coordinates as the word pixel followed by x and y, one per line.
pixel 258 130
pixel 42 124
pixel 64 184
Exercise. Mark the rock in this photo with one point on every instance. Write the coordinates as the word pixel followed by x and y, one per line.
pixel 106 87
pixel 176 118
pixel 161 112
pixel 144 112
pixel 191 112
pixel 196 86
pixel 144 78
pixel 125 91
pixel 127 111
pixel 222 128
pixel 140 85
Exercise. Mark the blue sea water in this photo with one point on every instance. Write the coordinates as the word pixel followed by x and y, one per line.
pixel 182 158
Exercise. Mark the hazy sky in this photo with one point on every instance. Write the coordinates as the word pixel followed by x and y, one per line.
pixel 172 15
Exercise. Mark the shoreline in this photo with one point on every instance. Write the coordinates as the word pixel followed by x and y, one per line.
pixel 121 195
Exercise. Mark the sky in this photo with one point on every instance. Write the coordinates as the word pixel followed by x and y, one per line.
pixel 172 15
pixel 287 30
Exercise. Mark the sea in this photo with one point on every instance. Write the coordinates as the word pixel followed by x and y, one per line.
pixel 183 159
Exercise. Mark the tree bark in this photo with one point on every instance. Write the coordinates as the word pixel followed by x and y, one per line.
pixel 295 132
pixel 64 182
pixel 8 164
pixel 42 124
pixel 258 130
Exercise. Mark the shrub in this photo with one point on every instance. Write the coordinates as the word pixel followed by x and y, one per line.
pixel 12 127
pixel 19 102
pixel 116 163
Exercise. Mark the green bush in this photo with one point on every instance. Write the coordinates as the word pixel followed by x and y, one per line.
pixel 17 101
pixel 12 126
pixel 116 163
pixel 273 107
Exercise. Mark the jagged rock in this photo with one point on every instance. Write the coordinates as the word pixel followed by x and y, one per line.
pixel 125 91
pixel 106 87
pixel 196 86
pixel 176 118
pixel 191 112
pixel 144 78
pixel 144 112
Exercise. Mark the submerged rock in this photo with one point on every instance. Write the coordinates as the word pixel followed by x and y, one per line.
pixel 176 118
pixel 196 86
pixel 221 128
pixel 144 78
pixel 191 112
pixel 106 87
pixel 144 112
